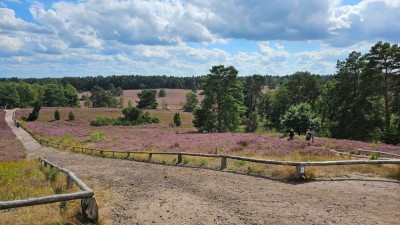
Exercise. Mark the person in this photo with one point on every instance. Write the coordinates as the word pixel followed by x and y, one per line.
pixel 308 136
pixel 291 134
pixel 17 124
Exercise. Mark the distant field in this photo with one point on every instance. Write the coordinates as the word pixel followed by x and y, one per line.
pixel 175 97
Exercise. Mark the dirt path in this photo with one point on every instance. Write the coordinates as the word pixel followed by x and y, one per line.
pixel 142 193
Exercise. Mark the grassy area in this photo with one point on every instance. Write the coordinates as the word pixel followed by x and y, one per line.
pixel 28 179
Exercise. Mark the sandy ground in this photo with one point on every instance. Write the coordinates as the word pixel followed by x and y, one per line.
pixel 143 193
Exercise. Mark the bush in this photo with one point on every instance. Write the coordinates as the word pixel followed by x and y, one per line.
pixel 162 93
pixel 57 115
pixel 132 116
pixel 177 119
pixel 35 113
pixel 71 116
pixel 97 136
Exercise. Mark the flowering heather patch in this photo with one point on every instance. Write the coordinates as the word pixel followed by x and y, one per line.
pixel 10 147
pixel 164 137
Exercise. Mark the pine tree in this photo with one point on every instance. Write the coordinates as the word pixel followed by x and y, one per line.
pixel 222 108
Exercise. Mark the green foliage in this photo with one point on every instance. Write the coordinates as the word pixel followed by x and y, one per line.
pixel 177 119
pixel 35 112
pixel 147 99
pixel 97 136
pixel 374 156
pixel 253 93
pixel 132 116
pixel 102 98
pixel 9 96
pixel 300 117
pixel 162 93
pixel 222 108
pixel 191 102
pixel 203 162
pixel 57 115
pixel 51 175
pixel 71 116
pixel 252 122
pixel 239 163
pixel 185 161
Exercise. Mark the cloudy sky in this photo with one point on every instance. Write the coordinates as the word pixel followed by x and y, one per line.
pixel 185 38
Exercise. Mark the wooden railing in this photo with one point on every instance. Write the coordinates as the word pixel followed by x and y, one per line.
pixel 378 152
pixel 88 201
pixel 299 171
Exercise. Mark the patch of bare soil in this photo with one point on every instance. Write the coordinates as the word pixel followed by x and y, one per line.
pixel 143 193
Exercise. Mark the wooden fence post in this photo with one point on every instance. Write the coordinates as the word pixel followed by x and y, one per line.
pixel 69 182
pixel 179 159
pixel 223 163
pixel 150 156
pixel 127 155
pixel 300 172
pixel 90 209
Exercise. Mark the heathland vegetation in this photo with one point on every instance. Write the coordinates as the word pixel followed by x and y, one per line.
pixel 21 178
pixel 360 102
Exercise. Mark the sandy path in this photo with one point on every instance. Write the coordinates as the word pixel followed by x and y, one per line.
pixel 142 193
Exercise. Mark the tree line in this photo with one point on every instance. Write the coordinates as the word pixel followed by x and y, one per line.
pixel 361 101
pixel 21 94
pixel 127 82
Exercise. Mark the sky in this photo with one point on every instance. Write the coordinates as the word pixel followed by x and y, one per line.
pixel 186 38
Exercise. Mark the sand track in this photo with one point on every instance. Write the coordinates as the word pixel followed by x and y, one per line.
pixel 143 193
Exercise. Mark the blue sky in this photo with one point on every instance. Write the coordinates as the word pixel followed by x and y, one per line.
pixel 185 38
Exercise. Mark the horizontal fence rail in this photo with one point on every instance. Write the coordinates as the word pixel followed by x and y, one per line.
pixel 378 152
pixel 88 202
pixel 300 166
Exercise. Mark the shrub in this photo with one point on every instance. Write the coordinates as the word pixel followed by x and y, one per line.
pixel 71 116
pixel 177 119
pixel 51 175
pixel 374 156
pixel 203 162
pixel 97 136
pixel 162 93
pixel 35 113
pixel 240 163
pixel 57 115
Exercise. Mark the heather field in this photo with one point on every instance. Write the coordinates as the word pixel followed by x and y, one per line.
pixel 10 147
pixel 164 137
pixel 175 97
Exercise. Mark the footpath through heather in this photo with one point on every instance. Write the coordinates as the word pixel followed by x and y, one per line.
pixel 142 193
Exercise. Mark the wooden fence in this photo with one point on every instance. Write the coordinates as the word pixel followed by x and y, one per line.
pixel 88 201
pixel 299 166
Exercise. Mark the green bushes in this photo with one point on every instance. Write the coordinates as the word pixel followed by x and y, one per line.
pixel 177 120
pixel 35 113
pixel 132 116
pixel 57 115
pixel 71 116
